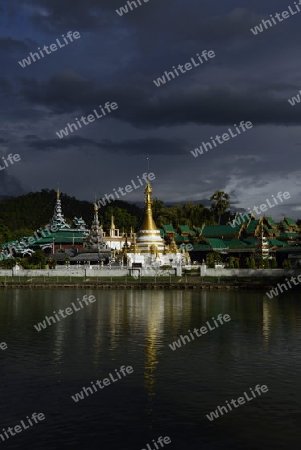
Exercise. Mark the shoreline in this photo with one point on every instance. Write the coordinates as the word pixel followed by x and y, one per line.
pixel 143 285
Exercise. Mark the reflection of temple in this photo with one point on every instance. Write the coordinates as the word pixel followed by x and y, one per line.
pixel 149 248
pixel 266 319
pixel 153 341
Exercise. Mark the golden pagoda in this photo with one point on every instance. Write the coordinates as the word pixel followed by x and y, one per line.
pixel 173 247
pixel 112 223
pixel 134 247
pixel 149 235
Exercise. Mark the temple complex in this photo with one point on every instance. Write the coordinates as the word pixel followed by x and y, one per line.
pixel 262 238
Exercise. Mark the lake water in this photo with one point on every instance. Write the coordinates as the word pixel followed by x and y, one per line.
pixel 169 393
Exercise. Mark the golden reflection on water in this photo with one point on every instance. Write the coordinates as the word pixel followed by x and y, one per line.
pixel 154 310
pixel 266 319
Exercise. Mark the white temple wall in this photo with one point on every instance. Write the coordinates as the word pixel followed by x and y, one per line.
pixel 64 272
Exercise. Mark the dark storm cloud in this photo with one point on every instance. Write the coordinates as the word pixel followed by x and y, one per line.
pixel 88 15
pixel 218 105
pixel 31 136
pixel 63 92
pixel 5 84
pixel 52 15
pixel 142 146
pixel 9 185
pixel 117 59
pixel 71 142
pixel 9 44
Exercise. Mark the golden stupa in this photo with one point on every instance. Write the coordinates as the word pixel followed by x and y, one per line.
pixel 149 235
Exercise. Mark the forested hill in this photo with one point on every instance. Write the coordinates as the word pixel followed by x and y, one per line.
pixel 22 215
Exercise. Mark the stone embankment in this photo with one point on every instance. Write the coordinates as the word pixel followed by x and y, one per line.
pixel 135 285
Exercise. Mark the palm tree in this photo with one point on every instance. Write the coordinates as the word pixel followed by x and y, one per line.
pixel 221 203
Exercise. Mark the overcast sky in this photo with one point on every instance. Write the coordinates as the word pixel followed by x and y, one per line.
pixel 116 59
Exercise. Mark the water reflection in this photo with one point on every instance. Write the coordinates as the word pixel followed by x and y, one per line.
pixel 266 319
pixel 154 314
pixel 168 389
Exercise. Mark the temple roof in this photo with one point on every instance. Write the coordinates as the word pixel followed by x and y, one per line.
pixel 168 229
pixel 252 226
pixel 185 229
pixel 216 243
pixel 290 221
pixel 220 230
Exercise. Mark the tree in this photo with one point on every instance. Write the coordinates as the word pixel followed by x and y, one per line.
pixel 231 262
pixel 221 202
pixel 52 263
pixel 157 208
pixel 266 264
pixel 212 258
pixel 7 263
pixel 287 265
pixel 39 259
pixel 122 219
pixel 252 262
pixel 160 213
pixel 246 263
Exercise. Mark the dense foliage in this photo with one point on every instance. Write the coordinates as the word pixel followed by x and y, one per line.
pixel 188 214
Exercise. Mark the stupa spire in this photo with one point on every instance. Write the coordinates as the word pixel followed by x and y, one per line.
pixel 58 217
pixel 149 237
pixel 148 223
pixel 112 223
pixel 134 247
pixel 95 240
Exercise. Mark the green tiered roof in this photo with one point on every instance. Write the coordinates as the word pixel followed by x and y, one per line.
pixel 168 229
pixel 220 230
pixel 179 239
pixel 235 243
pixel 276 243
pixel 291 222
pixel 185 229
pixel 198 247
pixel 269 230
pixel 289 235
pixel 61 237
pixel 216 243
pixel 251 241
pixel 252 226
pixel 271 221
